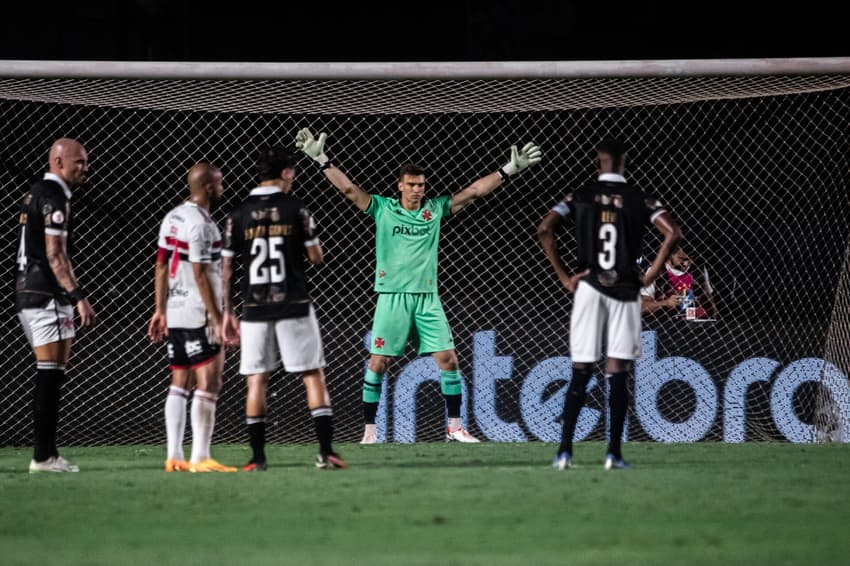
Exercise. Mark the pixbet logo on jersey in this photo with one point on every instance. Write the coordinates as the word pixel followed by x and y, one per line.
pixel 411 231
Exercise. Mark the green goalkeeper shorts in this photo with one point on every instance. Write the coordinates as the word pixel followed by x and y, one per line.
pixel 418 317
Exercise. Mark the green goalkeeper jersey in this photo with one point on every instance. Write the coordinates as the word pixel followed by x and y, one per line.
pixel 407 244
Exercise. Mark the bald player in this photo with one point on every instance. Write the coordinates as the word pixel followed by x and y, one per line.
pixel 47 291
pixel 187 281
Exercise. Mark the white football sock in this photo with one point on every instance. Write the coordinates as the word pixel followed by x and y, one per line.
pixel 175 421
pixel 203 422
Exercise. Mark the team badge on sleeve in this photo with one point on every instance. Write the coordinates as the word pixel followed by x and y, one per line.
pixel 309 221
pixel 652 203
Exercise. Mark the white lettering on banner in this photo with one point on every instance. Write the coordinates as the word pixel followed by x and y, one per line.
pixel 734 397
pixel 791 378
pixel 489 368
pixel 539 415
pixel 651 374
pixel 650 377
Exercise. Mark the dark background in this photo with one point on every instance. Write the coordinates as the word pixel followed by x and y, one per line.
pixel 463 30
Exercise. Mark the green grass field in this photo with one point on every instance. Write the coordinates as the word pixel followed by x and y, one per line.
pixel 432 503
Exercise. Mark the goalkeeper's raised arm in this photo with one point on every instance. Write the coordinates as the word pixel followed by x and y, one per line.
pixel 314 148
pixel 520 159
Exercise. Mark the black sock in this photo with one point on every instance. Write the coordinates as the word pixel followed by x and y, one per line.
pixel 452 406
pixel 370 412
pixel 48 382
pixel 257 438
pixel 576 395
pixel 618 403
pixel 324 423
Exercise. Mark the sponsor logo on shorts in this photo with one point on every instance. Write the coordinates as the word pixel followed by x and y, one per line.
pixel 192 347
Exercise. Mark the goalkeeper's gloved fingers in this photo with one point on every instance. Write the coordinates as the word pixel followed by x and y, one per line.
pixel 314 148
pixel 511 166
pixel 532 154
pixel 321 143
pixel 522 159
pixel 302 137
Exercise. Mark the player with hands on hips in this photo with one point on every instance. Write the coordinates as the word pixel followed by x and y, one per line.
pixel 407 236
pixel 609 218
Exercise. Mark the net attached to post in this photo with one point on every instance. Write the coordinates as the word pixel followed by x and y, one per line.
pixel 750 156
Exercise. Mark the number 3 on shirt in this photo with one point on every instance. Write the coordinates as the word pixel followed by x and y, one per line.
pixel 608 256
pixel 267 249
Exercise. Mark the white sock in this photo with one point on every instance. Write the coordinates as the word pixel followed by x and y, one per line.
pixel 203 422
pixel 175 421
pixel 454 424
pixel 371 430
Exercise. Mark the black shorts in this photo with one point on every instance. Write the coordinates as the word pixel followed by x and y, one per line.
pixel 189 348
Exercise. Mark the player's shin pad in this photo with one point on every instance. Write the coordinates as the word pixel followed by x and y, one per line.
pixel 372 387
pixel 450 382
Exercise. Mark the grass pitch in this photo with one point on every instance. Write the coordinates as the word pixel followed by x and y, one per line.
pixel 431 503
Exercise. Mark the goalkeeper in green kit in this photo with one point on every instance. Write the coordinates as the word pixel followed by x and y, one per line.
pixel 407 237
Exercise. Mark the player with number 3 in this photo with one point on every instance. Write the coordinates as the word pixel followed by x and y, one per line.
pixel 610 217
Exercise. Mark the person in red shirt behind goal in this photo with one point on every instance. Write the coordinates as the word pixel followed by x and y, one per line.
pixel 678 288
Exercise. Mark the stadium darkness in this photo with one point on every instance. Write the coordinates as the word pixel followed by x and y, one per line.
pixel 463 30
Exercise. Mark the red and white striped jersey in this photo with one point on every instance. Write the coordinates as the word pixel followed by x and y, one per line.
pixel 189 235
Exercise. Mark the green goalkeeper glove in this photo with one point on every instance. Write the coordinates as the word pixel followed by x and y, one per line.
pixel 528 156
pixel 314 148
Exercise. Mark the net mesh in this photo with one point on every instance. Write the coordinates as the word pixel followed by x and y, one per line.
pixel 755 168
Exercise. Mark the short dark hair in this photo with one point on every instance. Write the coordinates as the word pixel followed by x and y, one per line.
pixel 615 148
pixel 410 169
pixel 272 160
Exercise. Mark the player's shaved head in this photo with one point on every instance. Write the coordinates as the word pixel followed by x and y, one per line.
pixel 205 185
pixel 201 174
pixel 69 160
pixel 65 146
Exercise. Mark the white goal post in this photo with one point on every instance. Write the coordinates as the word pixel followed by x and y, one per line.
pixel 750 154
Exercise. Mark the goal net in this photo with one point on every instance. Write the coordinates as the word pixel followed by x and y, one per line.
pixel 750 156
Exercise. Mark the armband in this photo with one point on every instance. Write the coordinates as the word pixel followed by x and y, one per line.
pixel 561 208
pixel 77 294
